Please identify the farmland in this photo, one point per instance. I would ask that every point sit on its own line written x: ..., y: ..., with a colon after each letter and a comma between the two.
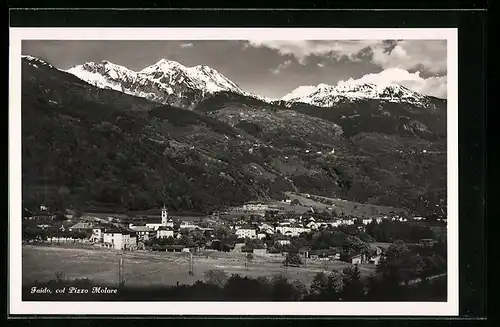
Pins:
x: 345, y: 207
x: 41, y: 263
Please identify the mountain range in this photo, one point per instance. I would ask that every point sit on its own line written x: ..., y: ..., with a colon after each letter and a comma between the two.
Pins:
x: 166, y: 82
x: 102, y: 135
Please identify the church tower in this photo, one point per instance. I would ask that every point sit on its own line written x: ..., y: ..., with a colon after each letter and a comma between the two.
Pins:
x: 164, y: 216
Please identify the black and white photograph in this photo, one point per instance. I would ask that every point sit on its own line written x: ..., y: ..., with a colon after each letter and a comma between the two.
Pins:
x: 236, y: 167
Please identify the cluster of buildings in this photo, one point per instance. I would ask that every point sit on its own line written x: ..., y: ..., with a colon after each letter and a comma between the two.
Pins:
x: 256, y: 208
x: 292, y: 227
x: 120, y: 237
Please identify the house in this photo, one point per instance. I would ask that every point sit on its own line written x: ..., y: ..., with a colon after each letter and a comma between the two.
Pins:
x: 266, y: 228
x: 120, y: 238
x: 174, y: 248
x: 375, y: 260
x: 144, y: 233
x: 188, y: 225
x: 43, y: 218
x: 353, y: 258
x: 261, y: 235
x: 164, y: 231
x: 324, y: 253
x: 81, y: 227
x: 292, y: 230
x: 97, y: 234
x: 347, y: 222
x: 255, y: 207
x: 283, y: 242
x: 259, y: 251
x: 357, y: 259
x: 246, y: 232
x: 366, y: 221
x: 312, y: 225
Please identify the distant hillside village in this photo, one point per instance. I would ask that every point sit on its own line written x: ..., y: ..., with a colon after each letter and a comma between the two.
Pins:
x: 257, y: 228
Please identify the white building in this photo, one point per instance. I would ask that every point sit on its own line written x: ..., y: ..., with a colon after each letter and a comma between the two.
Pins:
x: 246, y: 232
x: 188, y: 225
x: 347, y: 222
x: 255, y: 207
x: 144, y: 233
x: 367, y: 221
x: 164, y: 231
x: 97, y: 235
x: 292, y: 230
x: 119, y: 239
x: 261, y: 236
x: 312, y: 225
x: 283, y: 242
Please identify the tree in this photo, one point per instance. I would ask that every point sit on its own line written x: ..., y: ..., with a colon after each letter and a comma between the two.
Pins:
x: 354, y: 288
x: 285, y: 291
x: 198, y: 237
x: 254, y: 243
x: 216, y: 277
x: 293, y: 259
x: 401, y: 265
x: 326, y: 287
x: 249, y: 256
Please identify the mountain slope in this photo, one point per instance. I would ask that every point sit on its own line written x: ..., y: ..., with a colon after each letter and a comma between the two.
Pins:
x: 389, y: 109
x: 87, y: 146
x: 330, y: 157
x: 166, y: 82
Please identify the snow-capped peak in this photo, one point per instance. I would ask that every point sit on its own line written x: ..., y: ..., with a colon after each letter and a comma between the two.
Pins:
x: 163, y: 65
x: 165, y: 81
x: 347, y: 91
x: 35, y: 60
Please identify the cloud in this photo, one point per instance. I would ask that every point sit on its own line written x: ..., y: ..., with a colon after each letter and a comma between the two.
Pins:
x: 304, y: 48
x: 433, y: 86
x: 428, y: 55
x: 186, y: 45
x: 320, y: 64
x: 281, y: 66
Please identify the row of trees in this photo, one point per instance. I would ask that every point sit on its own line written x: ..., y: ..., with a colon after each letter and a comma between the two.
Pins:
x: 390, y: 231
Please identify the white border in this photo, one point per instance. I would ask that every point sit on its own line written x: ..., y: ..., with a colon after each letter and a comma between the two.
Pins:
x: 17, y: 306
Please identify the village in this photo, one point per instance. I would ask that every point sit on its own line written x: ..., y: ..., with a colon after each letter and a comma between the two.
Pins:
x: 257, y: 228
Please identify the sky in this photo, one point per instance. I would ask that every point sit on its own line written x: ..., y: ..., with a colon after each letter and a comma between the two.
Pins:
x: 271, y: 68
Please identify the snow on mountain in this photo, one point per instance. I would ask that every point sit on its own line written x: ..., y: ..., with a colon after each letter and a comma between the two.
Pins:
x: 166, y: 81
x: 34, y: 61
x: 324, y: 95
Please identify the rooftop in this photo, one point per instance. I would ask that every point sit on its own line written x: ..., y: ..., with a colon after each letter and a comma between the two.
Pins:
x: 82, y: 226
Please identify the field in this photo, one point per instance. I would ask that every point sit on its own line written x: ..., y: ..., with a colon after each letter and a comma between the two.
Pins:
x: 41, y: 262
x: 343, y: 206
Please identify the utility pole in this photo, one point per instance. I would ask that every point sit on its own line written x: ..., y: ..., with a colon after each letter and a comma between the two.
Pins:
x: 121, y: 281
x: 191, y: 270
x: 246, y: 262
